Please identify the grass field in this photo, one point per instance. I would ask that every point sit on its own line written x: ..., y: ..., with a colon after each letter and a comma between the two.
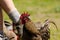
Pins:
x: 41, y: 10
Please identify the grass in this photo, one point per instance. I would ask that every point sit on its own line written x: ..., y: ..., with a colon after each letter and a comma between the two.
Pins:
x: 41, y: 10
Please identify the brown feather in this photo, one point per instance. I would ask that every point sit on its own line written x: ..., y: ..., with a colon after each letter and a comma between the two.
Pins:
x: 31, y: 27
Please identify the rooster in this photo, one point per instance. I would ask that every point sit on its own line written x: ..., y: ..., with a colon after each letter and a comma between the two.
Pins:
x: 29, y: 25
x: 30, y: 30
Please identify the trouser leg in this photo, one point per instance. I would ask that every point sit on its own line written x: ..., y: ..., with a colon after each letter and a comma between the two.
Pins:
x: 1, y: 21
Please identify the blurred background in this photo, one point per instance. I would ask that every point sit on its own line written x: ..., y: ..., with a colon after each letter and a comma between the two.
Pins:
x: 41, y: 10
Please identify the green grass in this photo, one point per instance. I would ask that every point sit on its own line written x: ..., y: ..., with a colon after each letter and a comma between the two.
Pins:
x: 41, y: 10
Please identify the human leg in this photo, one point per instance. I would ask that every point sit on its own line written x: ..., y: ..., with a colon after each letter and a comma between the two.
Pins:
x: 1, y: 21
x: 12, y: 12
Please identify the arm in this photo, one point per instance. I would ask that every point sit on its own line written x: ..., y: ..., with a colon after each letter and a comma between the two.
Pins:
x: 7, y: 5
x: 10, y: 9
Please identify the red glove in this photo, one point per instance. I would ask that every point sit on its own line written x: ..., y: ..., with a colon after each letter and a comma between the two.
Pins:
x: 24, y: 17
